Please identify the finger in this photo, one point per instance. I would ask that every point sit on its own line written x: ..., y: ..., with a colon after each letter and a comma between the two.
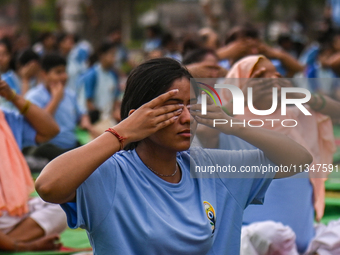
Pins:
x: 258, y: 73
x: 167, y: 116
x: 162, y: 98
x: 206, y: 122
x: 166, y: 122
x: 209, y: 100
x: 210, y: 115
x: 168, y: 108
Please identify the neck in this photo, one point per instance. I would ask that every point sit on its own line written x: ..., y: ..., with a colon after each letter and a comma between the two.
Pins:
x: 159, y: 159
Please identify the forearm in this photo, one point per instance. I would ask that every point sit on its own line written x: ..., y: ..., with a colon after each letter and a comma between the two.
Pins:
x: 59, y: 180
x: 40, y: 120
x: 8, y: 244
x: 277, y: 147
x: 290, y: 63
x: 325, y: 105
x: 52, y: 106
x: 226, y: 52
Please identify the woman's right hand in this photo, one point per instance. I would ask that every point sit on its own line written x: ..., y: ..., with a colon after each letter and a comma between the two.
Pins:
x: 5, y: 90
x: 149, y: 118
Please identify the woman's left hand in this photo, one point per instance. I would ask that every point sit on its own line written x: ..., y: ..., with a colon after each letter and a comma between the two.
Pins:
x: 214, y: 112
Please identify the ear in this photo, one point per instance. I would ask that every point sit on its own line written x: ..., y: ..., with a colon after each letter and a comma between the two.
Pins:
x: 131, y: 111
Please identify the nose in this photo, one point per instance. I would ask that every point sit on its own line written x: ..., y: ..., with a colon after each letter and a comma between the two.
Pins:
x: 185, y: 116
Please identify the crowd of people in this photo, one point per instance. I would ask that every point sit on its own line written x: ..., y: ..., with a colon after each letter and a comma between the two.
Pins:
x: 135, y: 177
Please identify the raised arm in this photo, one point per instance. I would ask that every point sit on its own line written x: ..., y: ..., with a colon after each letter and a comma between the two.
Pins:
x: 277, y: 147
x: 61, y: 177
x: 40, y: 120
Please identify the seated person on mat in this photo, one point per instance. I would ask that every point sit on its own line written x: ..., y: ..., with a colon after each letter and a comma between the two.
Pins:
x: 25, y: 224
x: 291, y: 201
x: 62, y: 104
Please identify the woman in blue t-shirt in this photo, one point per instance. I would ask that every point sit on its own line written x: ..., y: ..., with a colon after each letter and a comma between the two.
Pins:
x: 142, y: 200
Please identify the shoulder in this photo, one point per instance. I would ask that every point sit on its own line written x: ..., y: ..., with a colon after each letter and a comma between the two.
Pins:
x: 38, y: 94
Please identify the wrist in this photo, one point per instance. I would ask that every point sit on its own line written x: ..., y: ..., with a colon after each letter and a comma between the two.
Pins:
x: 21, y: 246
x: 13, y: 96
x: 122, y: 131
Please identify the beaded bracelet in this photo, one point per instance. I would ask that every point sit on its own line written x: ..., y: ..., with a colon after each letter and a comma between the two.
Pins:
x: 120, y: 138
x: 26, y: 107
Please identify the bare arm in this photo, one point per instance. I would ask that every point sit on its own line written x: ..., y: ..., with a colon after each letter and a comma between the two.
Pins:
x: 291, y: 64
x: 59, y: 180
x: 40, y: 120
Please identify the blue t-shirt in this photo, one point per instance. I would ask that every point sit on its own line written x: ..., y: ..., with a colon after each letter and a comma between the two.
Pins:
x: 77, y: 63
x: 288, y: 200
x: 127, y: 209
x: 23, y: 132
x: 67, y: 114
x: 102, y: 86
x: 335, y: 6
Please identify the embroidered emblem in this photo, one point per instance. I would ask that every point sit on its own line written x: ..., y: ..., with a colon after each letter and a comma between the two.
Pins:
x: 210, y: 212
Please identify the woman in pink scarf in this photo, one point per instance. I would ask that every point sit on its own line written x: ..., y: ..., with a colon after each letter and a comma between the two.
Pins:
x: 314, y: 132
x: 24, y: 223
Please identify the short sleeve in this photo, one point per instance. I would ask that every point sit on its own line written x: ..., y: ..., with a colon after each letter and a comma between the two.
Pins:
x: 10, y: 81
x: 246, y: 187
x: 94, y: 198
x: 36, y: 98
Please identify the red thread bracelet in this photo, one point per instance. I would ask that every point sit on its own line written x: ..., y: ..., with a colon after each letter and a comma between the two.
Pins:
x: 120, y: 138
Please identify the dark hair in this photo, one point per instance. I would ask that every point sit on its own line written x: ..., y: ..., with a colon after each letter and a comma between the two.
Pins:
x: 6, y: 42
x: 62, y: 36
x: 149, y: 80
x: 241, y: 31
x: 44, y: 35
x: 166, y: 39
x: 103, y: 48
x: 52, y: 60
x: 190, y: 43
x: 283, y: 38
x: 155, y: 29
x: 27, y: 56
x: 197, y: 55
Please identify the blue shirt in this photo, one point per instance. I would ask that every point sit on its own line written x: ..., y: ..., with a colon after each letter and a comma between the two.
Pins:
x: 335, y: 6
x: 127, y: 209
x: 102, y: 87
x: 67, y: 114
x: 23, y: 132
x: 77, y: 63
x: 288, y: 200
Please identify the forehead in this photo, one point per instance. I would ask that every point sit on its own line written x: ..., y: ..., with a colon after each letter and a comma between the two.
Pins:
x: 186, y: 91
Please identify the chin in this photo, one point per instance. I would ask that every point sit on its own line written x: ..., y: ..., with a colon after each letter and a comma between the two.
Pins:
x: 183, y: 147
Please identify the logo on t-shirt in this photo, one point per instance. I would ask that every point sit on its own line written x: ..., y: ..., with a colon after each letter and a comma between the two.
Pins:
x: 209, y: 210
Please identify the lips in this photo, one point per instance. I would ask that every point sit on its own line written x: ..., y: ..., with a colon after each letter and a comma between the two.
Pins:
x: 185, y: 133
